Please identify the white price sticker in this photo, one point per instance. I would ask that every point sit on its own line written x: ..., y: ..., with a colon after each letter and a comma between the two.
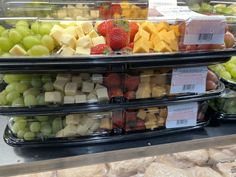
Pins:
x: 189, y: 80
x: 205, y: 30
x: 182, y: 115
x: 162, y: 3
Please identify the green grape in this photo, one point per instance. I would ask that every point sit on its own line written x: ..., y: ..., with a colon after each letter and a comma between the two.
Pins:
x: 19, y: 119
x: 226, y: 75
x: 45, y: 28
x: 229, y: 66
x: 5, y: 33
x: 57, y: 125
x: 48, y: 87
x: 24, y: 31
x: 21, y: 87
x: 48, y: 42
x: 10, y: 78
x: 30, y: 100
x: 14, y: 36
x: 41, y: 99
x: 6, y: 55
x: 46, y: 78
x: 3, y: 99
x: 20, y: 125
x: 15, y: 128
x: 35, y: 27
x: 19, y: 102
x: 36, y: 82
x: 41, y: 118
x: 20, y: 133
x: 35, y: 127
x: 22, y: 23
x: 233, y: 72
x: 38, y: 50
x: 30, y: 41
x: 233, y: 60
x: 27, y: 83
x: 10, y: 88
x: 32, y: 91
x: 29, y: 136
x: 5, y: 44
x: 205, y: 7
x: 1, y: 29
x: 12, y: 96
x: 46, y: 129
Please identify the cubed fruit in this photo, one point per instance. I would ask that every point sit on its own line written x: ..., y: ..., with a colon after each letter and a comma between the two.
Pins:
x: 71, y: 88
x: 87, y: 87
x: 130, y: 95
x: 92, y: 97
x: 60, y: 85
x: 163, y: 26
x: 141, y: 46
x: 98, y: 86
x: 80, y: 98
x: 106, y: 124
x: 79, y: 31
x: 93, y: 34
x: 84, y: 42
x: 130, y: 115
x: 112, y: 80
x: 144, y: 91
x: 158, y: 91
x: 67, y: 51
x: 149, y: 27
x: 56, y: 33
x: 97, y: 78
x: 141, y: 114
x: 140, y: 125
x: 141, y: 34
x: 73, y: 119
x: 64, y: 77
x: 68, y: 40
x: 53, y: 97
x: 98, y: 40
x: 82, y: 51
x: 94, y: 14
x: 17, y: 51
x: 85, y: 76
x: 71, y: 30
x: 176, y: 29
x: 115, y: 92
x: 117, y: 119
x: 69, y: 99
x: 102, y: 94
x: 132, y: 82
x: 162, y: 47
x: 78, y: 80
x: 87, y: 27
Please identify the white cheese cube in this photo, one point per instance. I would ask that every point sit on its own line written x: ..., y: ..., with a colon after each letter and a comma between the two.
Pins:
x: 79, y: 31
x: 80, y: 98
x: 67, y: 51
x: 17, y: 51
x: 60, y: 85
x: 53, y: 97
x: 102, y: 94
x: 98, y: 40
x: 56, y: 32
x: 82, y: 130
x: 69, y: 99
x: 65, y: 77
x: 92, y: 98
x: 68, y: 40
x: 71, y: 31
x: 98, y: 86
x: 87, y: 27
x: 97, y: 78
x: 84, y: 42
x: 85, y: 76
x: 73, y: 119
x: 78, y: 80
x: 94, y: 13
x: 82, y: 51
x: 87, y: 87
x: 93, y: 34
x: 71, y: 88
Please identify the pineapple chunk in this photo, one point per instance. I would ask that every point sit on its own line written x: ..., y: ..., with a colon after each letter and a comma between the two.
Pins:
x: 84, y: 42
x: 70, y: 31
x: 68, y: 40
x: 141, y: 46
x: 93, y: 34
x: 149, y: 27
x: 17, y: 51
x: 141, y: 34
x: 163, y: 26
x: 79, y: 31
x: 87, y: 27
x: 67, y: 51
x: 56, y: 32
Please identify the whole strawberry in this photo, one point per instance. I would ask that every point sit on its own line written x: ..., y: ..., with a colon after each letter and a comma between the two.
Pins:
x: 101, y: 49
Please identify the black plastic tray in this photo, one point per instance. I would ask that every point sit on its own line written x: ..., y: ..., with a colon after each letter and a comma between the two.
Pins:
x: 116, y: 63
x: 121, y: 104
x: 11, y: 140
x: 228, y: 84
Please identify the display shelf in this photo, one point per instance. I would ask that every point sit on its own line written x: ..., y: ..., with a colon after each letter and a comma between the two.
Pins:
x: 16, y: 161
x: 116, y: 63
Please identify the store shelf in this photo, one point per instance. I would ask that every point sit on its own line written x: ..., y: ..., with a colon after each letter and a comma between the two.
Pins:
x: 15, y: 161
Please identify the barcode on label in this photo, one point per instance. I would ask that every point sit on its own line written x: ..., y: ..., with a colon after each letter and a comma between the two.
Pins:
x: 205, y: 37
x: 188, y: 87
x: 182, y: 122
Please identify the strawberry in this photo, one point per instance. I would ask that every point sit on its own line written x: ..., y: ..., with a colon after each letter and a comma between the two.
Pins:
x: 104, y: 10
x: 112, y: 80
x: 131, y: 45
x: 130, y: 95
x: 104, y: 26
x: 133, y: 27
x: 132, y: 82
x: 101, y: 49
x: 115, y: 92
x: 118, y: 119
x: 116, y: 9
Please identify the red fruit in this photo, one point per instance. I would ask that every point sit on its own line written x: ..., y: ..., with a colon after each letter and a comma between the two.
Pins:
x: 115, y: 92
x: 132, y: 82
x: 191, y: 48
x: 101, y: 49
x: 130, y: 116
x: 127, y: 50
x: 117, y: 38
x: 116, y: 9
x: 104, y: 26
x: 140, y: 125
x: 131, y: 45
x: 117, y: 119
x: 130, y: 95
x: 104, y: 10
x: 112, y: 80
x: 133, y: 27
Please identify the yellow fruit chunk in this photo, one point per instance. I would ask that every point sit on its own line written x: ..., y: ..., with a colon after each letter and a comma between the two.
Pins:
x: 176, y: 29
x: 163, y: 26
x: 141, y: 46
x: 149, y: 27
x: 174, y: 45
x: 162, y: 47
x: 141, y: 34
x: 93, y: 34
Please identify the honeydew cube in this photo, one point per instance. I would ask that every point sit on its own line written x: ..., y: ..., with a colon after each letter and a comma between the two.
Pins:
x: 69, y: 99
x: 92, y: 97
x: 71, y: 31
x: 84, y: 42
x: 68, y: 40
x: 80, y: 98
x: 87, y: 27
x: 94, y: 13
x: 67, y: 51
x: 17, y: 51
x: 82, y: 51
x: 59, y: 85
x: 102, y: 94
x: 97, y: 78
x: 56, y: 32
x: 85, y: 76
x: 98, y: 86
x: 78, y: 80
x: 65, y: 77
x: 79, y: 31
x: 98, y: 40
x: 87, y: 87
x: 71, y: 88
x: 53, y: 97
x: 73, y: 119
x: 93, y: 34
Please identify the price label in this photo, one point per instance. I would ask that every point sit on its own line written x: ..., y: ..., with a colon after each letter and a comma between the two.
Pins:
x: 189, y: 80
x: 205, y: 30
x: 162, y: 3
x: 182, y: 115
